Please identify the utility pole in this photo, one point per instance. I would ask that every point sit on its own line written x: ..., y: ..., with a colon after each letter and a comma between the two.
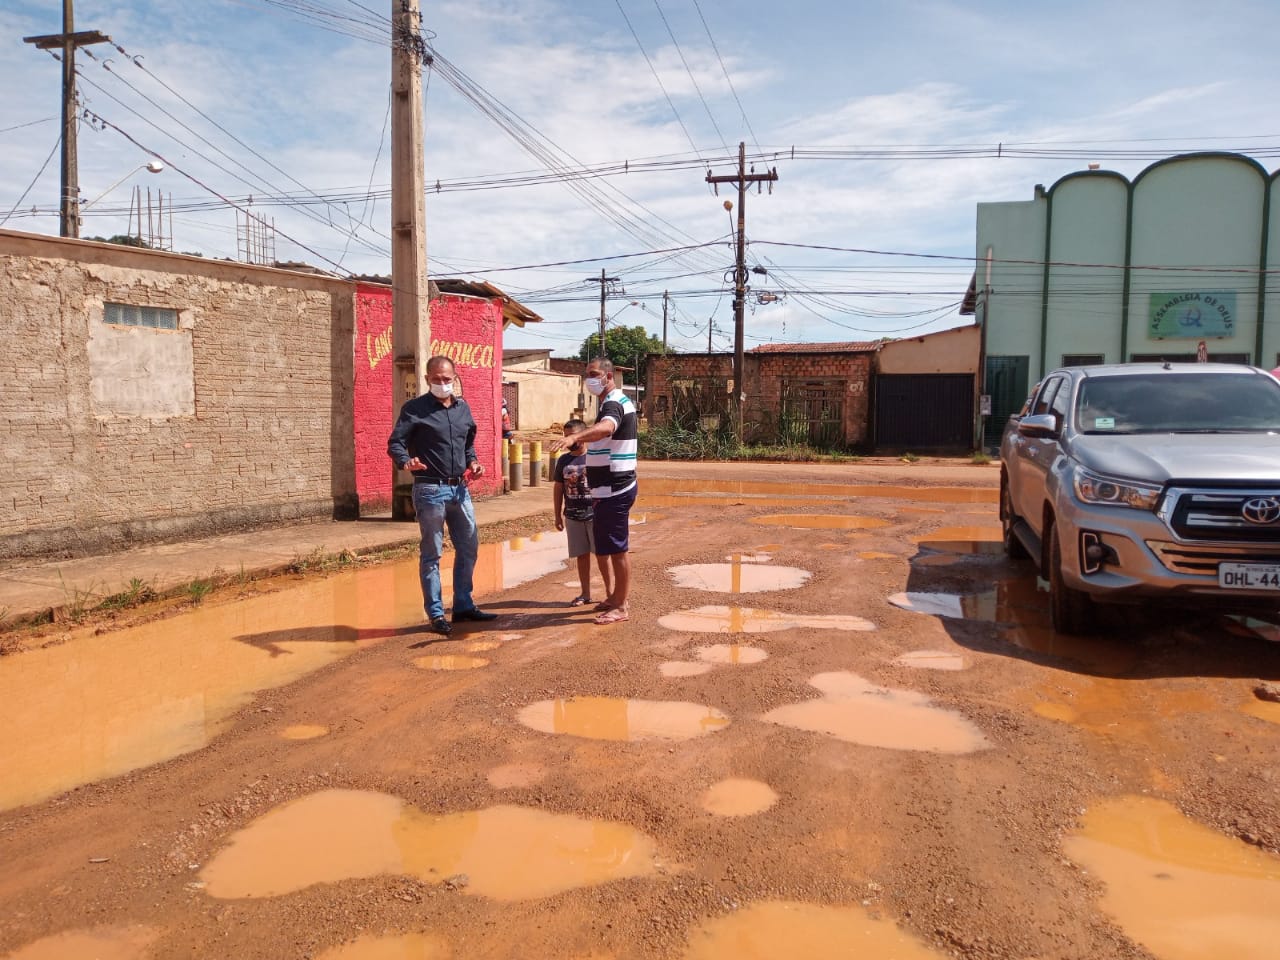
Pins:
x: 665, y: 298
x: 410, y: 306
x: 67, y: 41
x: 604, y: 285
x: 741, y: 178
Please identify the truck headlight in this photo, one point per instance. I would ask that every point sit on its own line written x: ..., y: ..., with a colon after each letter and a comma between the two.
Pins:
x: 1108, y: 491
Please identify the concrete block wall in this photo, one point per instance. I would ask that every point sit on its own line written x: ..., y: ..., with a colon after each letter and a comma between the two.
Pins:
x: 270, y: 433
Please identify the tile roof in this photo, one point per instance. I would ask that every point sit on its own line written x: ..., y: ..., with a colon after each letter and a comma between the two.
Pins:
x: 863, y: 347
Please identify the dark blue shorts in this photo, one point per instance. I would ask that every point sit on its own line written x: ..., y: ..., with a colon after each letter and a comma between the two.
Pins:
x: 612, y: 523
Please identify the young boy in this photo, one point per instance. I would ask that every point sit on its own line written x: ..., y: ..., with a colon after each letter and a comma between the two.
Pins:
x: 572, y: 498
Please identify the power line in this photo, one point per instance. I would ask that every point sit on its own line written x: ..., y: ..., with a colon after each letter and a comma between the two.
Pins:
x: 697, y: 6
x: 654, y: 71
x: 56, y: 143
x: 694, y: 80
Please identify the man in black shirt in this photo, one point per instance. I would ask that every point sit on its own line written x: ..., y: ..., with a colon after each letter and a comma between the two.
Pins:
x: 434, y: 437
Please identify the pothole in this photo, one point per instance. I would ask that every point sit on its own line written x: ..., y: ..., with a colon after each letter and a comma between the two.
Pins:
x: 1181, y: 890
x: 820, y: 521
x: 983, y: 540
x: 731, y: 653
x: 98, y: 943
x: 303, y: 731
x: 717, y: 619
x: 931, y: 660
x: 737, y: 797
x: 502, y: 852
x: 773, y: 929
x: 614, y: 718
x: 856, y: 711
x: 409, y: 946
x: 738, y: 577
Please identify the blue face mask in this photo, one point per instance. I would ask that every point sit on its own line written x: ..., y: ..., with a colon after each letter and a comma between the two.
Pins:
x: 595, y: 386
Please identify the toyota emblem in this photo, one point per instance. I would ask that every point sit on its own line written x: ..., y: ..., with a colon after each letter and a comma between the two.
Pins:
x: 1261, y: 510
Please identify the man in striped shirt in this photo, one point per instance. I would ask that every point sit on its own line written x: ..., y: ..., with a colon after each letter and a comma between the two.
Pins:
x: 611, y: 475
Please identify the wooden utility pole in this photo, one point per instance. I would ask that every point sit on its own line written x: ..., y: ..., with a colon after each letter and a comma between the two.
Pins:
x: 410, y: 306
x: 604, y: 286
x: 741, y: 178
x: 67, y: 41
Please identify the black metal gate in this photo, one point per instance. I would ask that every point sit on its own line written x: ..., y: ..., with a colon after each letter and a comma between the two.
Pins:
x: 924, y: 411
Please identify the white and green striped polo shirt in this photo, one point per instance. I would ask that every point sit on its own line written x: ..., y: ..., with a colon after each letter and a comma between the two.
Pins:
x: 611, y: 463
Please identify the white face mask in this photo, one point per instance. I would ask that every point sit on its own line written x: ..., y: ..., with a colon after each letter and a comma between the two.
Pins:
x: 441, y: 390
x: 595, y: 386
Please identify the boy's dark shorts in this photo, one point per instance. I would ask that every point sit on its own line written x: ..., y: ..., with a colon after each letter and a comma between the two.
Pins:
x: 612, y: 523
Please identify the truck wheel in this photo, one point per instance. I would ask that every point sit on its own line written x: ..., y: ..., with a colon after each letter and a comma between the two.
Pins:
x: 1071, y: 611
x: 1013, y: 547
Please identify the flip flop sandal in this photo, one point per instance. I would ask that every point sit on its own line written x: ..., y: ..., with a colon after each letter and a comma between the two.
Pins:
x: 580, y: 601
x: 611, y: 616
x: 602, y: 606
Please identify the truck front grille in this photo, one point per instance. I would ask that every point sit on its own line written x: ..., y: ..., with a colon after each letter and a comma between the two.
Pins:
x: 1219, y: 514
x: 1203, y: 559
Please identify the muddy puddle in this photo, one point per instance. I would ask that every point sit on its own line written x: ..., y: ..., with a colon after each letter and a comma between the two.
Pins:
x: 409, y: 946
x: 717, y: 619
x: 303, y: 731
x: 980, y: 540
x: 738, y: 797
x: 876, y: 555
x: 99, y: 706
x: 450, y: 662
x: 738, y: 577
x: 675, y: 669
x: 614, y: 718
x: 686, y: 489
x: 730, y: 653
x: 857, y: 711
x: 931, y: 660
x: 1262, y: 709
x: 504, y: 852
x: 1182, y: 890
x: 772, y: 930
x: 98, y: 943
x: 819, y: 521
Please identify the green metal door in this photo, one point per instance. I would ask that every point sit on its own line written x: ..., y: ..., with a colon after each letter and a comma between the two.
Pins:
x: 1006, y: 384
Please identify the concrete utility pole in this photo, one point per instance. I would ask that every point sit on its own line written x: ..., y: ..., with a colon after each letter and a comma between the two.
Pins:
x: 604, y: 285
x: 67, y: 41
x: 741, y: 178
x: 410, y: 306
x: 665, y: 298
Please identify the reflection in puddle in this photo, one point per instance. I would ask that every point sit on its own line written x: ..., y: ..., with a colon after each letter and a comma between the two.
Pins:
x: 825, y: 491
x: 673, y: 669
x: 921, y: 510
x: 933, y: 604
x: 749, y: 558
x: 935, y: 560
x: 857, y: 711
x: 986, y: 540
x: 506, y: 852
x: 450, y: 662
x: 774, y: 929
x: 730, y: 653
x: 876, y: 555
x: 1262, y: 709
x: 738, y: 798
x: 738, y: 578
x: 1183, y: 891
x: 931, y: 660
x: 659, y: 500
x: 715, y: 619
x: 99, y: 706
x: 818, y: 521
x: 511, y: 775
x: 410, y: 946
x: 613, y: 718
x: 101, y: 943
x: 482, y: 646
x: 303, y: 731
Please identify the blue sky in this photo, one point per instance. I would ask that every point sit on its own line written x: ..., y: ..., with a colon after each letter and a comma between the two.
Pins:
x: 309, y: 104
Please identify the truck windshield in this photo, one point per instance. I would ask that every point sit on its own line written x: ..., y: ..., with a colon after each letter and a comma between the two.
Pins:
x: 1178, y: 403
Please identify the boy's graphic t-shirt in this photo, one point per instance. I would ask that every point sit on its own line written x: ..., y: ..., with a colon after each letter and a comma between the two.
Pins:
x: 571, y: 471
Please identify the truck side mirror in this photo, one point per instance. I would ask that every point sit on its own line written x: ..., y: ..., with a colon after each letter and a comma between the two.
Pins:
x: 1042, y: 425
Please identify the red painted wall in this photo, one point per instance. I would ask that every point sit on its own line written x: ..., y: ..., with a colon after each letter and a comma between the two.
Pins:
x: 374, y: 369
x: 468, y: 331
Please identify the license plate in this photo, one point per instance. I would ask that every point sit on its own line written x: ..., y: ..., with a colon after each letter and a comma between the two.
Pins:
x: 1249, y: 576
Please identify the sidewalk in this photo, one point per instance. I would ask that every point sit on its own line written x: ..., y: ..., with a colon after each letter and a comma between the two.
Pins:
x: 30, y: 589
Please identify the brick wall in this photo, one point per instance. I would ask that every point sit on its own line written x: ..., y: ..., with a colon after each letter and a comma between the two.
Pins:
x: 374, y: 367
x: 270, y: 367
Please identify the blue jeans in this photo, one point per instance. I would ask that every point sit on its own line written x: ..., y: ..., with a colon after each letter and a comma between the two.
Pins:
x: 435, y: 506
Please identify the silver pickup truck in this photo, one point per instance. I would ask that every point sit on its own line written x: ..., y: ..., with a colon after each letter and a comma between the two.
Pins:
x: 1145, y: 481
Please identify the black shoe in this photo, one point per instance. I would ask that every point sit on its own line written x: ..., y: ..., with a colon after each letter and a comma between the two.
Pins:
x: 473, y: 614
x: 441, y: 626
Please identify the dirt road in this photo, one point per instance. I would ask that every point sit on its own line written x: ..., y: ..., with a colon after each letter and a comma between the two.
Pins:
x: 836, y: 725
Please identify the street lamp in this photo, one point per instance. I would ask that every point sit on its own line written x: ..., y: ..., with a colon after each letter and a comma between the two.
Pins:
x: 151, y: 166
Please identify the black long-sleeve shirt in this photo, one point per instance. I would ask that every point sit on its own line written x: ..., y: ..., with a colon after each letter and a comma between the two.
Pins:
x: 441, y: 437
